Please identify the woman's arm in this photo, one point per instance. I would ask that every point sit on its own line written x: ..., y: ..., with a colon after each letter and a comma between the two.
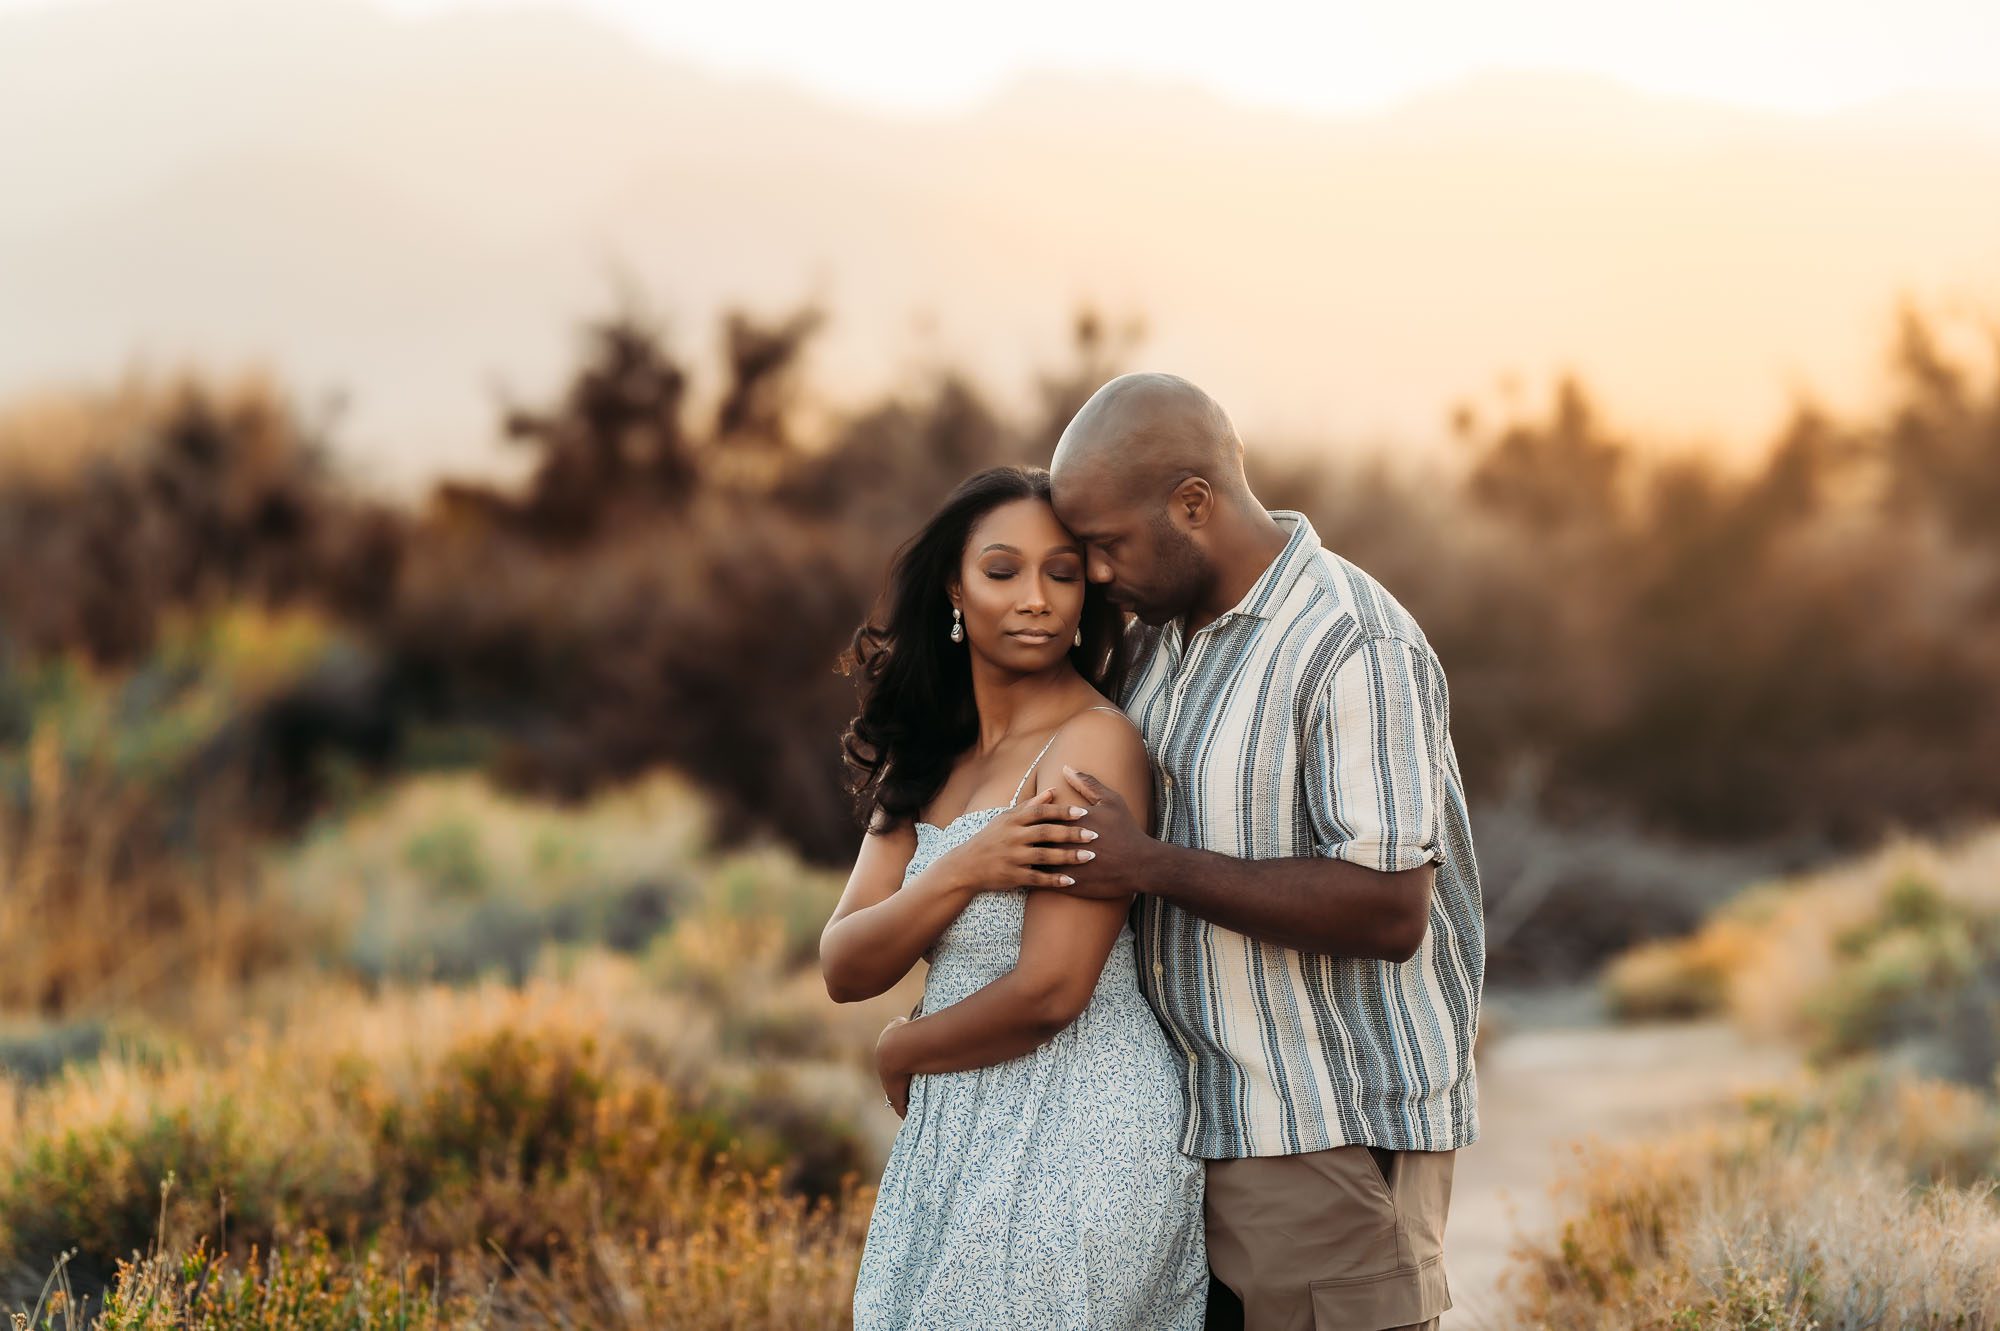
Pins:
x: 1064, y: 942
x: 882, y: 925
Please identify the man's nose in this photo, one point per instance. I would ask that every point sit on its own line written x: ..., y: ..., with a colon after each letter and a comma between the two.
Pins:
x: 1097, y: 571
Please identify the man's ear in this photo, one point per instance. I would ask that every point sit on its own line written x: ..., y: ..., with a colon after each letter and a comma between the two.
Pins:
x: 1194, y: 501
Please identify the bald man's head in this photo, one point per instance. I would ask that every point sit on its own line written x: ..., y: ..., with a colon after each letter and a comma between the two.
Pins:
x: 1146, y: 474
x: 1146, y: 431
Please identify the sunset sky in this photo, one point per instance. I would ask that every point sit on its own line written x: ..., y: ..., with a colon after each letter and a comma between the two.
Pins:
x: 1343, y: 221
x: 1797, y: 55
x: 1794, y: 55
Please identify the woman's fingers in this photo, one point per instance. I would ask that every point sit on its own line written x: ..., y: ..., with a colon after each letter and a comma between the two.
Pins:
x: 1039, y: 878
x: 1046, y: 811
x: 1061, y: 855
x: 1058, y: 845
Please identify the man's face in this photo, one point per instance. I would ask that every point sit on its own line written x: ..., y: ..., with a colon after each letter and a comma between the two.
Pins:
x: 1132, y: 547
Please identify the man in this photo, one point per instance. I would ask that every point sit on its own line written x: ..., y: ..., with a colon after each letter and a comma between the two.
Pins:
x: 1309, y: 925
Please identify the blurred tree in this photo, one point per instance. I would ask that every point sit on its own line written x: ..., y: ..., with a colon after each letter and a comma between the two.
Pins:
x: 1802, y: 652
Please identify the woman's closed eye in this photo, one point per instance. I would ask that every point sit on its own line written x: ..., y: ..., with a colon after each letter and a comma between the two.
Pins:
x: 1002, y: 575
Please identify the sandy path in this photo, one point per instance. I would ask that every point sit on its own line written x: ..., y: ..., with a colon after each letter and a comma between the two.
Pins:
x: 1556, y: 1074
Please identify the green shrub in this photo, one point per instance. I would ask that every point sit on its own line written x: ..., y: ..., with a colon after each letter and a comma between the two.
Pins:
x: 1896, y: 956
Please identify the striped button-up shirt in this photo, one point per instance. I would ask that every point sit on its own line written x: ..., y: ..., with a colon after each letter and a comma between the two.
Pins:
x: 1311, y: 719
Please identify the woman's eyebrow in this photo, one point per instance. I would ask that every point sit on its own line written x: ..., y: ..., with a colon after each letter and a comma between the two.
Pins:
x: 997, y: 546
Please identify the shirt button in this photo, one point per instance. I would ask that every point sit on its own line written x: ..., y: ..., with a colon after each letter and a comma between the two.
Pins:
x: 1192, y: 1059
x: 1158, y: 970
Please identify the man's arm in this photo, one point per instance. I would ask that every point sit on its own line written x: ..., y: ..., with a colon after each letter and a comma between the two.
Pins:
x: 1310, y: 902
x: 1371, y: 770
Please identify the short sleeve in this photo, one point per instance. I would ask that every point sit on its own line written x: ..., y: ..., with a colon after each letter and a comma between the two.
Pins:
x: 1373, y: 757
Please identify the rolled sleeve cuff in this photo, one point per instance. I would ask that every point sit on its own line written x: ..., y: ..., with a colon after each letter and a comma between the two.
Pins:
x: 1380, y: 855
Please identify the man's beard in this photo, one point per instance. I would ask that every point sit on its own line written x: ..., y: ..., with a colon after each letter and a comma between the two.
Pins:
x: 1183, y: 574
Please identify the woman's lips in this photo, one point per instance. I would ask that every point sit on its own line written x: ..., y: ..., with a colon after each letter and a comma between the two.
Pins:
x: 1031, y: 635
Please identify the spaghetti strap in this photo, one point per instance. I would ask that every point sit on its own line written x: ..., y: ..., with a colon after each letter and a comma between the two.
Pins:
x: 1031, y: 768
x: 1045, y: 749
x: 1120, y: 713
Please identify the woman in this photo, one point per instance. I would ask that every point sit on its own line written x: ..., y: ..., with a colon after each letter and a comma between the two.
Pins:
x: 1037, y: 1178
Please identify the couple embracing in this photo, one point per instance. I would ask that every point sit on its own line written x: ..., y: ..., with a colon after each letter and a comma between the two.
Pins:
x: 1197, y: 893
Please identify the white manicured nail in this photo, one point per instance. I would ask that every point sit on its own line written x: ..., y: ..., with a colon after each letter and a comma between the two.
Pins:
x: 1089, y: 835
x: 1086, y: 854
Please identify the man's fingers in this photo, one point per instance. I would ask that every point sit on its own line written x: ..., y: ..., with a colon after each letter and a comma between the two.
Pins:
x: 1092, y: 790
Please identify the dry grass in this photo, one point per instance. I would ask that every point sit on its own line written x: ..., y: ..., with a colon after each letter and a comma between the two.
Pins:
x: 1865, y: 1198
x: 738, y: 1254
x: 1847, y: 1208
x: 127, y: 879
x: 1896, y: 953
x: 578, y: 1125
x: 443, y: 877
x: 1676, y: 978
x: 626, y: 1115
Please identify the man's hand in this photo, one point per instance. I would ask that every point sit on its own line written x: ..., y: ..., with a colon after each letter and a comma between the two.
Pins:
x: 895, y: 1081
x: 1124, y: 851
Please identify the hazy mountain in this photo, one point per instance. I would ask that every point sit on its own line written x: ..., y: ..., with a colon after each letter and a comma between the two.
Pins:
x: 416, y: 210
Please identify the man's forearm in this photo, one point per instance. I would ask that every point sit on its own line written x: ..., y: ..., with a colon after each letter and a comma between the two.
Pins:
x: 1310, y: 903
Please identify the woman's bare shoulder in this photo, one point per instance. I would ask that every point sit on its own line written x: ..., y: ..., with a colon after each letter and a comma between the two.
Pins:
x: 1096, y: 735
x: 1103, y: 720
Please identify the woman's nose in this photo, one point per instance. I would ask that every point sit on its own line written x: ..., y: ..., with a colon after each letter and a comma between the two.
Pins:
x: 1033, y: 595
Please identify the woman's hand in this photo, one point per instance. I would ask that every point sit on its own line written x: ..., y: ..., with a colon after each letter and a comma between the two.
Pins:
x: 895, y: 1081
x: 1027, y: 846
x: 1129, y: 865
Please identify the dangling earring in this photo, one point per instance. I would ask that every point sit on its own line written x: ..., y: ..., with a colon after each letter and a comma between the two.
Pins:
x: 1079, y: 637
x: 957, y: 628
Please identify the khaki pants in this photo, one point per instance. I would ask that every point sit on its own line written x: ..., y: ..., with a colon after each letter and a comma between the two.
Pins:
x: 1347, y: 1239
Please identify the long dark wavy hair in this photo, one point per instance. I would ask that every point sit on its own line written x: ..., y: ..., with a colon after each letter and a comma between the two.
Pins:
x: 915, y: 684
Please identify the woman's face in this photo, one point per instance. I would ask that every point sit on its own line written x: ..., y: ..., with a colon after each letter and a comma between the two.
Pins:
x: 1021, y: 586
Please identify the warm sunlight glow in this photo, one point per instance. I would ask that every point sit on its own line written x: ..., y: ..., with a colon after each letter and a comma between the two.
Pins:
x: 1794, y: 55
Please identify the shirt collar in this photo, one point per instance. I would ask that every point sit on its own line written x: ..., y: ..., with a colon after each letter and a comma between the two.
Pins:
x: 1269, y: 591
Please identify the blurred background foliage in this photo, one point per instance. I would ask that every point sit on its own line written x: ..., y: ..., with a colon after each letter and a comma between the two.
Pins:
x: 444, y: 881
x: 1732, y: 668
